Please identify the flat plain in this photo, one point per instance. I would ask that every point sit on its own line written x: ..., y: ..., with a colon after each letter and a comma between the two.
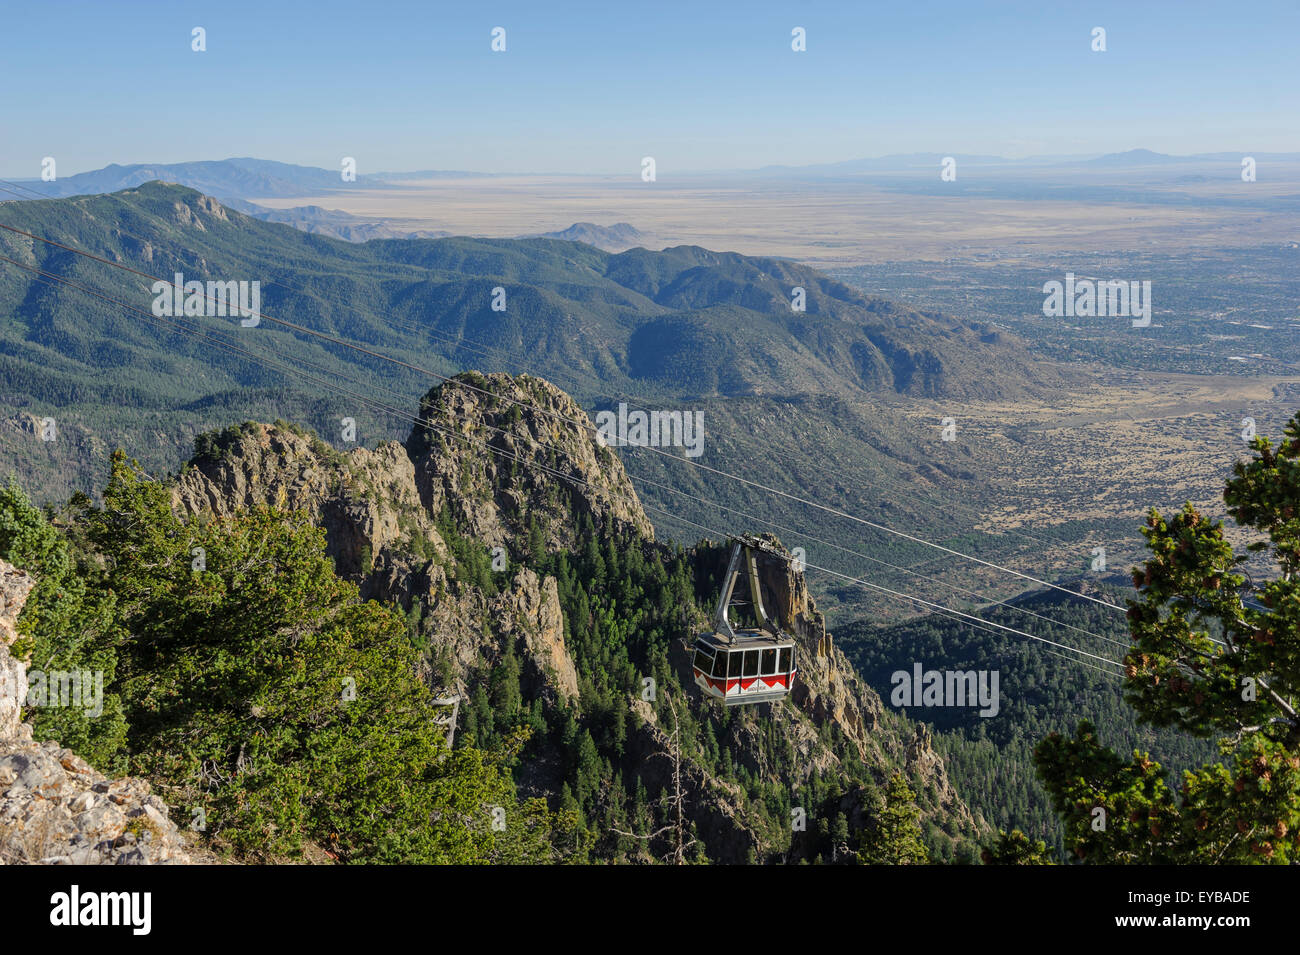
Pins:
x: 840, y: 222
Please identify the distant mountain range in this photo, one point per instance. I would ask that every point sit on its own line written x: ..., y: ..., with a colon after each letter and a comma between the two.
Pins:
x: 222, y: 179
x: 252, y: 179
x: 239, y: 182
x: 909, y: 162
x: 244, y: 179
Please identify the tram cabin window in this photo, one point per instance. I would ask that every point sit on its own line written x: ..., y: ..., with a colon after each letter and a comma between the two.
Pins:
x: 720, y: 664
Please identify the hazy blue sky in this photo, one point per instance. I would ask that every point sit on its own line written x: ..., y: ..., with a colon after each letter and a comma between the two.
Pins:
x: 593, y: 87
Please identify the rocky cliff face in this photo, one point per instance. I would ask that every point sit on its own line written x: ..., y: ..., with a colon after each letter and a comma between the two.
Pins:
x: 386, y: 514
x: 379, y: 510
x: 15, y: 585
x: 562, y: 473
x: 54, y: 808
x: 366, y: 501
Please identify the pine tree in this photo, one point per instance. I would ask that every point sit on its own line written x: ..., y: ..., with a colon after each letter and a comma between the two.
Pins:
x: 68, y: 627
x: 1015, y: 848
x: 507, y: 699
x: 1215, y: 655
x: 896, y: 838
x: 587, y: 774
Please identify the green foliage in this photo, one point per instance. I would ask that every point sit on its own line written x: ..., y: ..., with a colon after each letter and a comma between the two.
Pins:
x: 212, y: 445
x: 66, y: 627
x: 261, y: 689
x: 1015, y: 848
x: 1211, y: 663
x: 991, y: 761
x: 895, y: 839
x: 471, y: 560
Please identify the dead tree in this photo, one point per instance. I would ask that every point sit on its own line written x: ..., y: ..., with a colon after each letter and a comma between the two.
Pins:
x: 673, y: 799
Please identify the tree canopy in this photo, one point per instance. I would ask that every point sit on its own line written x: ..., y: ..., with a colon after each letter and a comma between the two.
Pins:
x: 1215, y: 653
x: 265, y: 698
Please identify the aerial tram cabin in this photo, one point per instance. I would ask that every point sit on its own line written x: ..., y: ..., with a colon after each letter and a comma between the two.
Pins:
x: 745, y: 666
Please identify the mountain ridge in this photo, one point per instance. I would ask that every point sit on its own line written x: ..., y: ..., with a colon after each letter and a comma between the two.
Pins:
x: 397, y: 521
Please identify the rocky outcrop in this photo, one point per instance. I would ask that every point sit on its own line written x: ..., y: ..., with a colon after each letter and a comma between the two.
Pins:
x: 546, y: 467
x: 511, y: 463
x: 473, y: 632
x: 191, y: 217
x: 377, y: 506
x: 530, y: 611
x: 15, y: 585
x: 827, y: 686
x: 379, y: 510
x: 364, y: 500
x: 925, y: 764
x: 54, y: 808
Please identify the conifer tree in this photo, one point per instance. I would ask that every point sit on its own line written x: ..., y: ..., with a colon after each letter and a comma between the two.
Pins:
x: 1015, y: 848
x: 1216, y: 655
x: 68, y: 627
x: 896, y: 838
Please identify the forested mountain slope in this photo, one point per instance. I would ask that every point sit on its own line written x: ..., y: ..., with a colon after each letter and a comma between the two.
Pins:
x: 992, y: 758
x: 530, y: 585
x: 681, y: 325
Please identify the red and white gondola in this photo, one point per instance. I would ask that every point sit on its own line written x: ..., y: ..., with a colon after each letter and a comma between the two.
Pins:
x: 745, y: 665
